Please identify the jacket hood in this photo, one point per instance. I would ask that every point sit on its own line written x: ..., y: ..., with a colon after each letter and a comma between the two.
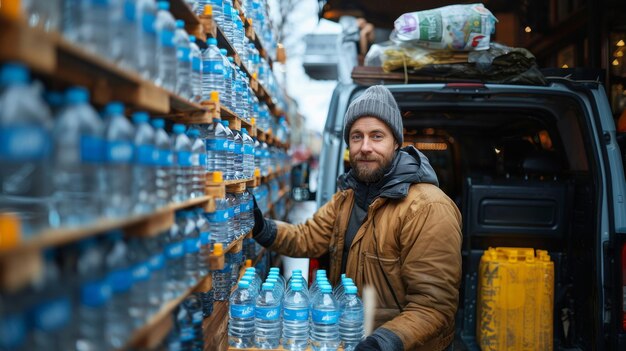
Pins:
x: 409, y: 166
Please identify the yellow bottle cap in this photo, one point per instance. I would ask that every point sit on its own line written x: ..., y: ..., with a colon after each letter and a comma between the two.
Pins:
x: 218, y: 177
x: 257, y: 172
x: 215, y: 96
x: 248, y: 263
x: 254, y: 75
x: 218, y: 249
x: 10, y: 231
x: 208, y: 10
x: 253, y: 121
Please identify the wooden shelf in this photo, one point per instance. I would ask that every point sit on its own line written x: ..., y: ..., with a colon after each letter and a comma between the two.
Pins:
x: 156, y: 329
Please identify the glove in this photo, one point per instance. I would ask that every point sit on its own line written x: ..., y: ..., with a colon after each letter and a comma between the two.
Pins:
x: 368, y: 344
x: 259, y: 220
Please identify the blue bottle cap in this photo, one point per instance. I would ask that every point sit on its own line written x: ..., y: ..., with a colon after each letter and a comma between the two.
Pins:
x: 243, y: 284
x: 140, y: 117
x: 115, y: 108
x: 164, y: 5
x: 244, y: 130
x: 12, y: 73
x: 350, y: 289
x: 178, y: 128
x: 267, y: 286
x: 225, y: 123
x: 192, y: 38
x: 326, y: 289
x: 211, y: 41
x: 224, y: 52
x: 231, y: 59
x: 76, y: 95
x: 296, y: 287
x: 158, y: 123
x: 54, y: 98
x: 250, y: 269
x: 194, y: 133
x: 180, y: 24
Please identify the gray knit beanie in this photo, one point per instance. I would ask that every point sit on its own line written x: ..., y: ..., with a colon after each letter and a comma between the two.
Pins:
x: 377, y: 102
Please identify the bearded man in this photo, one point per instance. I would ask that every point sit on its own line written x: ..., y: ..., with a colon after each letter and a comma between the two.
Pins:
x: 390, y: 227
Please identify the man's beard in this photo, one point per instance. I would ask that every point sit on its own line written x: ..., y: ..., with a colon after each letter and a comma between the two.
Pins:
x: 367, y: 175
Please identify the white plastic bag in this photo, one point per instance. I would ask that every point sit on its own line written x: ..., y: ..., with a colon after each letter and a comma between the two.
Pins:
x: 455, y: 27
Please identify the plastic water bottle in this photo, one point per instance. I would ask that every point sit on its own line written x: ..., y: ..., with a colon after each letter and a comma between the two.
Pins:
x: 226, y: 97
x: 118, y: 157
x: 230, y: 154
x: 144, y: 170
x: 258, y: 152
x: 324, y: 318
x: 140, y: 271
x: 147, y: 43
x: 118, y: 322
x: 94, y: 294
x: 218, y: 14
x: 238, y: 33
x: 267, y: 321
x: 164, y: 160
x: 187, y: 226
x: 296, y: 319
x: 276, y: 272
x: 184, y: 323
x: 256, y: 279
x: 212, y: 70
x: 221, y: 278
x: 198, y: 163
x: 234, y: 220
x: 183, y: 60
x: 227, y: 27
x: 174, y: 267
x: 96, y: 26
x: 233, y: 83
x: 182, y: 164
x: 25, y: 149
x: 193, y: 305
x: 166, y: 48
x: 207, y: 134
x: 279, y: 290
x: 156, y: 263
x: 51, y: 311
x: 220, y: 146
x: 248, y: 154
x: 78, y: 158
x: 246, y: 216
x: 351, y: 320
x: 238, y: 139
x: 196, y: 70
x: 204, y: 228
x: 241, y: 317
x: 218, y: 221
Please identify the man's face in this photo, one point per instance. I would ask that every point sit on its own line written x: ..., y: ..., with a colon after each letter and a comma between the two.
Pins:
x: 372, y: 147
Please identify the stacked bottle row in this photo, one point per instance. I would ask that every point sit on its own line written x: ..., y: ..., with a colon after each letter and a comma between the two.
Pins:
x: 273, y: 313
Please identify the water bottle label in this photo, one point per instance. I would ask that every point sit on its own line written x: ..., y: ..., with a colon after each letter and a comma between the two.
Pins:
x: 167, y: 38
x: 184, y: 158
x: 95, y: 293
x: 130, y: 11
x: 183, y: 54
x: 238, y: 149
x: 258, y: 153
x: 12, y: 331
x: 231, y: 212
x: 219, y: 216
x: 157, y: 262
x: 174, y: 251
x: 143, y: 155
x: 248, y: 206
x: 91, y: 149
x: 24, y: 143
x: 187, y: 334
x: 205, y: 238
x: 242, y: 311
x: 119, y: 152
x: 147, y: 22
x: 165, y: 158
x: 197, y: 317
x: 192, y: 245
x: 195, y: 159
x: 324, y: 317
x: 141, y: 272
x: 203, y: 160
x: 52, y: 315
x: 196, y: 64
x: 121, y: 280
x: 267, y: 313
x: 248, y: 149
x: 213, y: 67
x: 295, y: 314
x: 231, y: 146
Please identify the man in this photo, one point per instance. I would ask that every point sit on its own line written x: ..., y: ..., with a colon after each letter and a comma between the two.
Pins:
x: 389, y: 226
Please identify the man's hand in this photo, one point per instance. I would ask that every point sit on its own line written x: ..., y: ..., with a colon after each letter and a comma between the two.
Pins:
x: 259, y: 221
x: 368, y: 344
x: 264, y: 230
